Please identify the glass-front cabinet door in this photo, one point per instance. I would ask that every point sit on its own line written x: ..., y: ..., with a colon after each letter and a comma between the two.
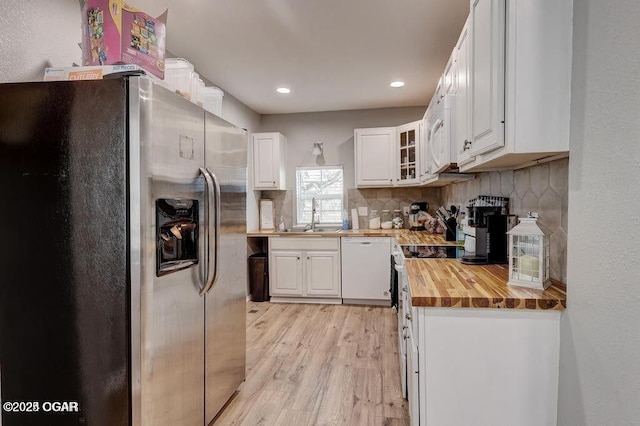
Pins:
x: 409, y: 153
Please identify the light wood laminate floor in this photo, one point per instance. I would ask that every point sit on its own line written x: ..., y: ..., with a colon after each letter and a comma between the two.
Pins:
x: 319, y: 365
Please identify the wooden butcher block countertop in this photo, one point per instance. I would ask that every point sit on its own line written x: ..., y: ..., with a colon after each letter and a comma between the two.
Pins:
x: 402, y: 236
x: 405, y: 237
x: 450, y: 284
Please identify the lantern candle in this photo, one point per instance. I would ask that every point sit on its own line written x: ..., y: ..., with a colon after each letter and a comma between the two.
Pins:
x: 529, y: 254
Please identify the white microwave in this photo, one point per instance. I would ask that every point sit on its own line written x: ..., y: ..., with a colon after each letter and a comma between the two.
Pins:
x: 440, y: 129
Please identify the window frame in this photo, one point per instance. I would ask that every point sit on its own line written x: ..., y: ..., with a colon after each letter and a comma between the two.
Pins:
x: 299, y: 198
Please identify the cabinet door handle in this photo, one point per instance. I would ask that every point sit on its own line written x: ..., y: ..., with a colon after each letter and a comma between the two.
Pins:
x: 408, y: 317
x: 467, y: 145
x: 308, y: 258
x: 298, y: 258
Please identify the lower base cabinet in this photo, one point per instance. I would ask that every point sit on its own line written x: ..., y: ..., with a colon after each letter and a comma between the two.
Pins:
x: 413, y: 380
x: 307, y: 269
x: 322, y: 273
x: 494, y: 367
x: 285, y: 272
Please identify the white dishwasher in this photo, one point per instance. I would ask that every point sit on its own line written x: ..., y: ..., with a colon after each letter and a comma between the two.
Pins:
x: 366, y: 270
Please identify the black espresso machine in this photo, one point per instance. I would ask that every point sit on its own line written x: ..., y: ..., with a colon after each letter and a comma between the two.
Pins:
x: 486, y: 230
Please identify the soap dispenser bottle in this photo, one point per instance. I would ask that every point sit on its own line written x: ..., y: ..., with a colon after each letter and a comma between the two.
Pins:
x: 281, y: 227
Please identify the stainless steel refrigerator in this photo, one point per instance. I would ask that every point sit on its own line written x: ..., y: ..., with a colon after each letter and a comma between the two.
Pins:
x: 122, y: 256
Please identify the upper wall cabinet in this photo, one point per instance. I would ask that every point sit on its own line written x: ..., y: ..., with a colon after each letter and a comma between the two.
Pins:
x: 388, y: 156
x: 463, y: 95
x: 449, y: 77
x: 487, y: 75
x: 269, y: 157
x: 408, y: 148
x: 375, y: 154
x: 520, y: 82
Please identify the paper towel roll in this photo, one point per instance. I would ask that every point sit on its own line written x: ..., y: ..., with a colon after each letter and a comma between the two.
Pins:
x: 355, y: 224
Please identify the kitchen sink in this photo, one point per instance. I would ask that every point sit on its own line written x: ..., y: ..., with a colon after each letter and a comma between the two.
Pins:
x: 315, y: 231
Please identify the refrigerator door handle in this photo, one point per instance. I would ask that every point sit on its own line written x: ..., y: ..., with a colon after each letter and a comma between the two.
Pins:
x: 216, y: 240
x: 213, y: 191
x: 209, y: 194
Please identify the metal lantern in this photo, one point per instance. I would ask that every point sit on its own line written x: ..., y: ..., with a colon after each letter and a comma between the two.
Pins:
x: 529, y: 254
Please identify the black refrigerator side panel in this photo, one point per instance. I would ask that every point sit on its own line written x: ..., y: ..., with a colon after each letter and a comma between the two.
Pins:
x: 64, y: 303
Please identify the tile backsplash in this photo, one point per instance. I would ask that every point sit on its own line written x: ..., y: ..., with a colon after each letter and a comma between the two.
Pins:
x: 373, y: 198
x: 543, y: 188
x: 283, y: 205
x: 391, y: 199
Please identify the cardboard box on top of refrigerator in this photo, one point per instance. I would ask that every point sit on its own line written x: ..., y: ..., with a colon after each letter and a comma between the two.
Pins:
x: 114, y: 32
x: 89, y: 73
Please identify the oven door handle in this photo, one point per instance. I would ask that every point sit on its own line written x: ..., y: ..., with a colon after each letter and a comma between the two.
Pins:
x: 212, y: 192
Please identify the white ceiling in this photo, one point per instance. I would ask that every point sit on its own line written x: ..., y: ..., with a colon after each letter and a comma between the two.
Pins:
x: 333, y: 54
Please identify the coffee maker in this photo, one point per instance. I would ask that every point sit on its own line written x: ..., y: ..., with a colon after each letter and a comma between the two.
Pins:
x: 486, y: 235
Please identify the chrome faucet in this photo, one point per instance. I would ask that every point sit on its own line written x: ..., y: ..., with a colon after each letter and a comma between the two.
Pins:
x: 313, y: 213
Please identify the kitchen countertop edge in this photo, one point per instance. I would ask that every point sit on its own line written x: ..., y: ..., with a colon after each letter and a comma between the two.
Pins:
x: 447, y: 283
x: 402, y: 236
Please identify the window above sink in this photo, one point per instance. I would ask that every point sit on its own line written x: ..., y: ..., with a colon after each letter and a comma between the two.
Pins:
x: 325, y: 184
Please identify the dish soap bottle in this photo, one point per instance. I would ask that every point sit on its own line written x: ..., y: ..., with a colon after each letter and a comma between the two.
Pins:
x: 281, y: 227
x: 345, y: 220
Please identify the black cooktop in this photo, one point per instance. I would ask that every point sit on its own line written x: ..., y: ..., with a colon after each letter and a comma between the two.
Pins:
x: 425, y: 252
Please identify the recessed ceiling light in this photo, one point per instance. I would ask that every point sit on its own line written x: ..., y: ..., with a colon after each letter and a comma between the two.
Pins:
x: 283, y: 90
x: 397, y: 84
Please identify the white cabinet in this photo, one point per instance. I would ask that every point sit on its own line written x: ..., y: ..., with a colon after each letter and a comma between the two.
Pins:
x: 304, y: 269
x: 424, y: 144
x: 414, y: 395
x: 388, y: 156
x: 322, y: 273
x: 460, y: 350
x: 413, y: 380
x: 520, y: 82
x: 487, y: 75
x: 440, y: 90
x: 452, y: 355
x: 463, y: 104
x: 408, y: 149
x: 449, y: 77
x: 375, y: 156
x: 286, y: 273
x: 269, y: 158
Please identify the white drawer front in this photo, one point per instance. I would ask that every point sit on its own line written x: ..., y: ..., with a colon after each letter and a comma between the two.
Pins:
x: 302, y: 243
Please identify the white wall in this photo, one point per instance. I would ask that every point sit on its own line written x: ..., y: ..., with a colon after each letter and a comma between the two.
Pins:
x: 36, y: 34
x: 600, y: 331
x: 238, y: 114
x: 335, y: 130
